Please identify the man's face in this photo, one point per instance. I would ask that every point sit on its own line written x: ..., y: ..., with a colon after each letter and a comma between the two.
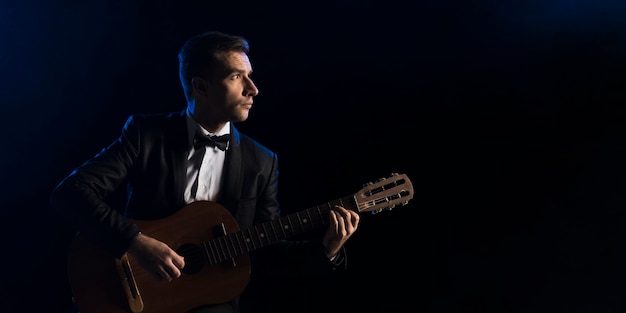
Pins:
x: 231, y: 90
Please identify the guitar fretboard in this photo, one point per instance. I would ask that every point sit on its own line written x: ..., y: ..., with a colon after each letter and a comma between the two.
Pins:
x: 224, y: 248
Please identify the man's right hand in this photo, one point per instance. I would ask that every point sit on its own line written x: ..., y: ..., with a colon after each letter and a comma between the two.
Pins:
x: 156, y: 257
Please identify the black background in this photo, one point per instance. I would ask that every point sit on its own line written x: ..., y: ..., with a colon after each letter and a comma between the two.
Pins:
x: 506, y: 116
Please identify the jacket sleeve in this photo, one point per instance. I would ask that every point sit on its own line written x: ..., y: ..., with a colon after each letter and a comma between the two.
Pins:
x: 81, y: 197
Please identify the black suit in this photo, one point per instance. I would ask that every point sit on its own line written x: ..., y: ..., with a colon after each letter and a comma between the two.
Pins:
x: 148, y: 163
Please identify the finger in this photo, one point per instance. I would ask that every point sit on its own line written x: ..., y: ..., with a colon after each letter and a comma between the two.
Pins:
x: 334, y: 220
x: 178, y: 261
x: 173, y: 271
x: 163, y: 274
x: 343, y: 211
x: 354, y: 219
x: 348, y: 219
x: 346, y: 214
x: 340, y: 220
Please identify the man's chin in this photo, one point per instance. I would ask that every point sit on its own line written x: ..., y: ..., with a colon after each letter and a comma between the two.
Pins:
x: 241, y: 117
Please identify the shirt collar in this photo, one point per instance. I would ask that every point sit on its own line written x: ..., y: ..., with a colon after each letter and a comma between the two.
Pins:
x: 193, y: 127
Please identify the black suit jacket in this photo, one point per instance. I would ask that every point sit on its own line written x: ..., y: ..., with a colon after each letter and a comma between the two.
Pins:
x: 147, y: 163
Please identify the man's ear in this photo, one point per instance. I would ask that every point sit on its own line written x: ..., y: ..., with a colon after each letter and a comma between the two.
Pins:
x: 199, y: 85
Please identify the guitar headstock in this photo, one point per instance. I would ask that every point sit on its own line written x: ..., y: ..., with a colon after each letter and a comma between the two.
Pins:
x: 384, y: 194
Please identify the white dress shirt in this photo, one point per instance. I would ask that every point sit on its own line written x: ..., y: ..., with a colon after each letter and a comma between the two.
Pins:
x: 204, y: 166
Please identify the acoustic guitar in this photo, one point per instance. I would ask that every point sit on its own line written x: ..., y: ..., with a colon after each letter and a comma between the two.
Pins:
x: 217, y: 267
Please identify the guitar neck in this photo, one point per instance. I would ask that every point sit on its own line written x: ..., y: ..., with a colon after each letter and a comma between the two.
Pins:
x: 374, y: 197
x: 228, y: 246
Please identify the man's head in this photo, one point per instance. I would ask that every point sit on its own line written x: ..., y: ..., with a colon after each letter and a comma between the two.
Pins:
x: 214, y: 71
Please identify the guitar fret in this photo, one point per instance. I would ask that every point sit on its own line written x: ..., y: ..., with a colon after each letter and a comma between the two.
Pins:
x: 222, y: 256
x: 209, y: 251
x: 216, y: 250
x: 275, y: 234
x: 262, y: 235
x: 230, y: 246
x: 325, y: 218
x: 318, y: 217
x: 311, y: 215
x: 300, y: 222
x: 319, y: 213
x: 207, y: 255
x: 238, y: 236
x: 329, y: 207
x: 286, y: 227
x: 213, y: 251
x: 219, y: 250
x: 275, y: 224
x: 296, y: 226
x: 349, y: 205
x: 271, y: 223
x: 227, y: 250
x: 234, y: 241
x: 217, y: 254
x: 250, y: 239
x: 309, y: 218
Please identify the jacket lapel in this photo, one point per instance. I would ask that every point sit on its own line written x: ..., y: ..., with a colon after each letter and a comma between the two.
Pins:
x: 231, y: 183
x: 178, y: 155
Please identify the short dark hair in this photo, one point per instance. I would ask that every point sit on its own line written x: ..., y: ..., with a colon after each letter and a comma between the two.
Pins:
x: 202, y: 53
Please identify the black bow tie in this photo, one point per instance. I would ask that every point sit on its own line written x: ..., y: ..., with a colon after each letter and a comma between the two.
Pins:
x: 221, y: 142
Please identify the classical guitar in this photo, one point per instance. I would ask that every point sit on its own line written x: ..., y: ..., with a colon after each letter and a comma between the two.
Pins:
x: 217, y: 267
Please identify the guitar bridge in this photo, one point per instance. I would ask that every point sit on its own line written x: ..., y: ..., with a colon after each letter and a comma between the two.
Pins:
x: 129, y: 284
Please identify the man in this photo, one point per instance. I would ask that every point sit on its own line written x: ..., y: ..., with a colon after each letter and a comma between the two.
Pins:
x: 160, y: 165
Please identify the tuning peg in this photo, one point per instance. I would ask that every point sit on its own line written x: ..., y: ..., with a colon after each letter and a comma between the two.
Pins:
x: 376, y: 211
x: 389, y: 208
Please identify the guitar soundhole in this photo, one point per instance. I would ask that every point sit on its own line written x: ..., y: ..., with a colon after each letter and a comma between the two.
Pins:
x: 194, y: 259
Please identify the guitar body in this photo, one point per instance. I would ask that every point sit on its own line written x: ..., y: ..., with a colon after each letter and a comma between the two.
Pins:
x: 100, y: 284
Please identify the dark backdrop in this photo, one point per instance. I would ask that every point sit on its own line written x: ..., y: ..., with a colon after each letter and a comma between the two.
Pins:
x: 506, y: 116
